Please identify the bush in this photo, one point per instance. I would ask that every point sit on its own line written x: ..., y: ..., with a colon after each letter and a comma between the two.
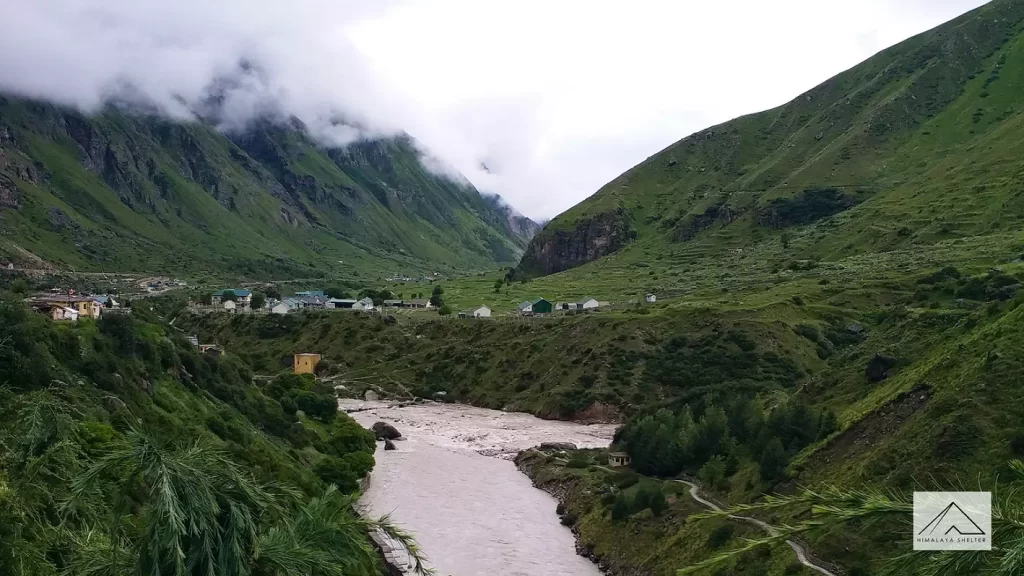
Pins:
x: 322, y: 407
x: 578, y: 460
x: 720, y: 536
x: 794, y: 567
x: 712, y: 474
x: 322, y: 367
x: 568, y: 519
x: 626, y: 481
x: 620, y: 509
x: 336, y: 471
x: 359, y: 462
x: 642, y: 501
x: 658, y: 504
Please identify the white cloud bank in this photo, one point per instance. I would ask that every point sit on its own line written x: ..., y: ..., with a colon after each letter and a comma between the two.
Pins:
x: 554, y: 98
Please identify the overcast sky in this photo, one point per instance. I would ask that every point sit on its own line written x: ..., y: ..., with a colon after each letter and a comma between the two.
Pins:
x: 555, y: 98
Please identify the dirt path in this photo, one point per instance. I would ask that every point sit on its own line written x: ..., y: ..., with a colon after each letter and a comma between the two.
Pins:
x: 798, y: 548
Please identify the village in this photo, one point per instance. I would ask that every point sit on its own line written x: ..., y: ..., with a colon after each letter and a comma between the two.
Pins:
x: 241, y: 300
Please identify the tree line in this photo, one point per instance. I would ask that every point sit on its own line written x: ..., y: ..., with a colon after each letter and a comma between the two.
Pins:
x: 714, y: 440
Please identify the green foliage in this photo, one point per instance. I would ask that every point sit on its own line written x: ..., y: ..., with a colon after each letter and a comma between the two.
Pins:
x: 436, y: 297
x: 620, y: 508
x: 713, y: 474
x: 772, y: 462
x: 337, y: 472
x: 125, y: 204
x: 658, y: 504
x: 338, y: 292
x: 578, y: 460
x: 667, y: 443
x: 19, y: 286
x: 259, y: 299
x: 445, y: 310
x: 721, y: 535
x: 91, y: 493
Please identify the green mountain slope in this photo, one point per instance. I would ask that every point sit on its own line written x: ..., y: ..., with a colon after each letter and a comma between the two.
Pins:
x: 129, y: 192
x: 919, y: 144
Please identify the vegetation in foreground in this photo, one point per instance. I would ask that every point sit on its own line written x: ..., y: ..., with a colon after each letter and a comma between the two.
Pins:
x: 125, y: 451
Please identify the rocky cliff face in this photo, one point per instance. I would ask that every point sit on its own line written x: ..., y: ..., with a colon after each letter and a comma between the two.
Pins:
x: 593, y: 237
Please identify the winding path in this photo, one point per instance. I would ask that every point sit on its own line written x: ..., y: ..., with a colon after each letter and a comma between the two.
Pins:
x: 799, y: 549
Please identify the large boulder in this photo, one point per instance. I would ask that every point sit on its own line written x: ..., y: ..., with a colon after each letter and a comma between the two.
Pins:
x: 385, y: 431
x: 557, y: 446
x: 878, y: 367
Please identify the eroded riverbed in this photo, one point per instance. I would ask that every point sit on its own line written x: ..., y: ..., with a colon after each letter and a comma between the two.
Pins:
x: 453, y: 485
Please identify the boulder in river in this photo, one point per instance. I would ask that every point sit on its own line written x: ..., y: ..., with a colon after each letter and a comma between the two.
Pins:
x: 389, y: 445
x: 385, y: 431
x: 557, y: 446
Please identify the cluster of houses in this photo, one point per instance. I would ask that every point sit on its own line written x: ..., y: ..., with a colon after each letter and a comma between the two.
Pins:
x: 318, y: 300
x: 544, y: 306
x: 237, y: 299
x: 69, y: 307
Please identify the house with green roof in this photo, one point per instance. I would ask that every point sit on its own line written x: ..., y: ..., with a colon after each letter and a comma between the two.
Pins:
x: 241, y: 296
x: 541, y: 306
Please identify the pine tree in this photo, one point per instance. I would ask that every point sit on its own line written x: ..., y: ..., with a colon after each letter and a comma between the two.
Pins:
x: 773, y: 461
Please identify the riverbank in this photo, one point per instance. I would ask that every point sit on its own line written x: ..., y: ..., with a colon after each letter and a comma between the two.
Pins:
x: 452, y: 485
x: 637, y: 541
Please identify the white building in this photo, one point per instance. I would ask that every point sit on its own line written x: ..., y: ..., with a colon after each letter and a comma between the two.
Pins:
x: 281, y: 308
x: 364, y: 304
x: 587, y: 304
x: 482, y: 312
x: 651, y: 298
x: 230, y: 306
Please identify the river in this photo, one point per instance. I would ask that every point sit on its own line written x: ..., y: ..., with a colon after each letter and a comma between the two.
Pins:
x: 453, y: 485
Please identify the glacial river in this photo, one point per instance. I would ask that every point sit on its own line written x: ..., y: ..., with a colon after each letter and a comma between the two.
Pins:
x: 453, y: 485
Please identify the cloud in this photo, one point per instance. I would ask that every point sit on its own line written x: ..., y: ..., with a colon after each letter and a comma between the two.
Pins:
x: 541, y: 102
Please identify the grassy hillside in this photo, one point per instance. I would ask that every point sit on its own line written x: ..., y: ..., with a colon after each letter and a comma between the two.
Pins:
x: 840, y: 277
x: 918, y: 145
x: 123, y: 451
x: 124, y: 191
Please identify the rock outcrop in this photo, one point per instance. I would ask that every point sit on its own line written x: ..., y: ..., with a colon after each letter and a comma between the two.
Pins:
x: 557, y: 446
x: 878, y: 367
x: 592, y: 237
x: 389, y: 445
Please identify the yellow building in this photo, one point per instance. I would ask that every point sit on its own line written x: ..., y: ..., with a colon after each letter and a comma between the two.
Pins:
x: 88, y: 309
x: 305, y: 363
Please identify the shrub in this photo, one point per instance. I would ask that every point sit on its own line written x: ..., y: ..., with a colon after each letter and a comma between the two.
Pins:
x: 569, y: 519
x: 658, y: 503
x: 336, y: 471
x: 642, y: 500
x: 720, y: 536
x: 626, y: 481
x: 322, y: 367
x: 712, y: 474
x: 620, y: 509
x: 578, y: 460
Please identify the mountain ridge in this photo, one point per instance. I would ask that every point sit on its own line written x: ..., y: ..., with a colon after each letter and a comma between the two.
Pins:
x: 121, y: 191
x: 867, y: 132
